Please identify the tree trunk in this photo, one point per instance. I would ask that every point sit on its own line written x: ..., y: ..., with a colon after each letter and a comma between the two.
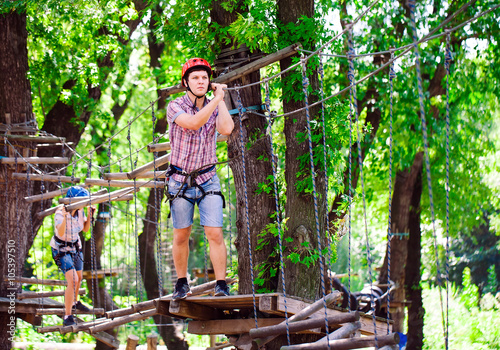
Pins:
x: 257, y: 170
x: 413, y: 267
x: 15, y: 99
x: 404, y: 188
x: 301, y: 280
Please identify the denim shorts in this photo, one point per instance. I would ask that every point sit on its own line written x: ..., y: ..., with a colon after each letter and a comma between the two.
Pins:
x: 210, y: 207
x: 68, y: 260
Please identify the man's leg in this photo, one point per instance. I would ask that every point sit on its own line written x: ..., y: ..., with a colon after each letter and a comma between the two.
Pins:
x: 218, y: 252
x: 180, y: 250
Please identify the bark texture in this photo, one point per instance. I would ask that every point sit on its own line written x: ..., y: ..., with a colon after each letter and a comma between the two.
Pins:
x: 16, y: 235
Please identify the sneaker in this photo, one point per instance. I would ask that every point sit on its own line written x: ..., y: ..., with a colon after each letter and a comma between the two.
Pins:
x: 79, y: 306
x: 181, y: 292
x: 221, y: 291
x: 69, y: 321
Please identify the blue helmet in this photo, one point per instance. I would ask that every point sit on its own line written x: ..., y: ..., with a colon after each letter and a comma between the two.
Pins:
x: 77, y: 191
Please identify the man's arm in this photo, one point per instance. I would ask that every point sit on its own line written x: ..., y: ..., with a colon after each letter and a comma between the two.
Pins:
x: 224, y: 123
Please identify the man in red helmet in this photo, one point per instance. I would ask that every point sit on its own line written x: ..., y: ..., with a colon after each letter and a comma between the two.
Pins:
x: 193, y: 121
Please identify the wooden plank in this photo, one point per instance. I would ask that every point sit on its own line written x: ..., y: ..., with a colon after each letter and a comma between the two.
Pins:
x: 227, y: 303
x: 187, y: 309
x: 149, y: 166
x: 159, y: 174
x: 149, y: 304
x: 35, y: 160
x: 48, y: 178
x: 117, y: 183
x: 56, y: 293
x: 165, y: 146
x: 245, y: 70
x: 234, y: 326
x: 26, y: 280
x: 81, y: 325
x: 60, y: 312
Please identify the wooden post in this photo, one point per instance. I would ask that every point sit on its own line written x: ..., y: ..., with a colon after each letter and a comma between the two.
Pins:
x: 57, y: 293
x: 132, y: 342
x: 35, y: 160
x: 121, y: 320
x: 49, y: 195
x: 152, y: 341
x: 27, y: 280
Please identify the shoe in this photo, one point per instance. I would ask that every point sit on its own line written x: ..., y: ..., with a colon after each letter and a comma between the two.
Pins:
x: 221, y: 291
x: 70, y: 321
x: 79, y: 306
x: 181, y: 292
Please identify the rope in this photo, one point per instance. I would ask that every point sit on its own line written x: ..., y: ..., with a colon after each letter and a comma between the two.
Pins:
x: 305, y: 84
x: 411, y: 3
x: 247, y: 219
x: 447, y: 62
x: 276, y: 202
x: 392, y: 76
x: 354, y: 105
x: 230, y: 219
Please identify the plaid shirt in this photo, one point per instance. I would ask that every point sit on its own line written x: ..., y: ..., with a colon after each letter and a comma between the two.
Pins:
x: 191, y: 149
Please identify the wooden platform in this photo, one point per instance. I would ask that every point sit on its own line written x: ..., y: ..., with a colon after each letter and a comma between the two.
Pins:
x: 227, y: 315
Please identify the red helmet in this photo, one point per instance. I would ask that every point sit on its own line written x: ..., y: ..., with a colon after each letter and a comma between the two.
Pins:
x: 199, y: 63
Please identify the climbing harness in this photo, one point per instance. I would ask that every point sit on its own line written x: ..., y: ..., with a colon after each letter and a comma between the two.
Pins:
x: 190, y: 181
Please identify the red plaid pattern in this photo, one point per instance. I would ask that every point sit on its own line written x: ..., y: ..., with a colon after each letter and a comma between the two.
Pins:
x: 191, y: 149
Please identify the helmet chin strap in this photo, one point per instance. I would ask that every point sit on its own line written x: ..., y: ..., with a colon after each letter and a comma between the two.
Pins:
x: 196, y: 97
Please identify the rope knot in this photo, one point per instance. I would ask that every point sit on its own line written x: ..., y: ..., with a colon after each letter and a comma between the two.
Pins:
x: 392, y: 73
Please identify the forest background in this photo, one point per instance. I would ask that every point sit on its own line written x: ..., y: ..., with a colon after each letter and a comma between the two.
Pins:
x: 94, y: 67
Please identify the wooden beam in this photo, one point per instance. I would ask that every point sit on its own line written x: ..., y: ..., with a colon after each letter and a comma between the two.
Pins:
x: 81, y: 325
x: 60, y: 312
x: 35, y: 320
x: 303, y: 325
x: 28, y: 138
x: 101, y: 199
x: 56, y: 293
x: 89, y: 274
x: 236, y: 326
x: 35, y: 160
x: 245, y: 70
x: 117, y: 183
x: 159, y: 174
x: 26, y: 280
x: 149, y: 166
x: 49, y: 195
x: 70, y: 200
x: 165, y: 146
x: 186, y: 309
x: 122, y: 320
x: 352, y: 343
x: 48, y: 178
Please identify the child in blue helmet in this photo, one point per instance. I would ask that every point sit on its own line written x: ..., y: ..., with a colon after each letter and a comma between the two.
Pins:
x: 67, y: 250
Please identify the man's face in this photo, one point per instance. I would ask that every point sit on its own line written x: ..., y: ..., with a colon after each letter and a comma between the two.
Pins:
x: 198, y: 82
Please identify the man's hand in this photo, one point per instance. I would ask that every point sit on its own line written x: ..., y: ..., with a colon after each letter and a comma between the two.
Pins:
x: 218, y: 90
